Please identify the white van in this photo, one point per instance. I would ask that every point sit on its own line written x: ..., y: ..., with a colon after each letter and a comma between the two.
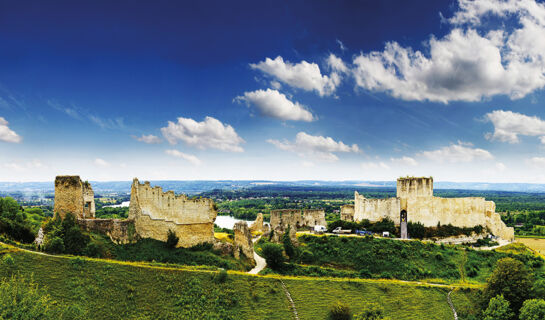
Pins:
x: 320, y: 229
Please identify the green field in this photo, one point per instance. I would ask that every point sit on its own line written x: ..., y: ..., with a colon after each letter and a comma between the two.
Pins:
x: 104, y: 289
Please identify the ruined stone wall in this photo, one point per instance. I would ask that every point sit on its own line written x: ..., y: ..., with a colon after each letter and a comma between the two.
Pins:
x: 411, y: 187
x: 257, y: 226
x: 347, y: 212
x: 72, y: 195
x: 297, y: 218
x: 119, y: 231
x: 243, y: 241
x: 155, y: 212
x: 376, y: 209
x: 415, y: 195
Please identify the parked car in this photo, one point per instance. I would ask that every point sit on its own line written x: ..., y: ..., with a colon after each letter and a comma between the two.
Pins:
x: 320, y: 229
x: 364, y: 233
x: 386, y: 234
x: 339, y: 230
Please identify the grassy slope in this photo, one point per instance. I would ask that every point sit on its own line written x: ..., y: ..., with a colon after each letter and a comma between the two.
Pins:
x: 116, y: 290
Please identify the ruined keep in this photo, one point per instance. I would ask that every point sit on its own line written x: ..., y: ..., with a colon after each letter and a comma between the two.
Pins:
x: 74, y: 196
x: 415, y: 203
x: 154, y: 212
x: 243, y: 241
x: 296, y: 219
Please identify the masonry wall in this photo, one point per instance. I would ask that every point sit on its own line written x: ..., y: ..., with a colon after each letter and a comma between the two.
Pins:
x: 71, y: 194
x: 411, y: 187
x: 376, y: 209
x: 119, y: 231
x: 155, y: 212
x: 347, y: 212
x: 297, y: 218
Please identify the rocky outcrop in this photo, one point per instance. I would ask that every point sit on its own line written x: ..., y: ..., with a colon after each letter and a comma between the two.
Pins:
x: 257, y: 226
x: 243, y: 241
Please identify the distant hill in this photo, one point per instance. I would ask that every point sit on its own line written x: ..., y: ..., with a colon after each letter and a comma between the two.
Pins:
x: 198, y: 186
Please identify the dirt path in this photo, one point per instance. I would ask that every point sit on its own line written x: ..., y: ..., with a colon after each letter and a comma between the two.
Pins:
x: 260, y: 262
x: 292, y: 304
x: 451, y: 305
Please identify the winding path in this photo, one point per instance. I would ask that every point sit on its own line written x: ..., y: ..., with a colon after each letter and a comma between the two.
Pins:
x: 451, y: 305
x: 260, y: 262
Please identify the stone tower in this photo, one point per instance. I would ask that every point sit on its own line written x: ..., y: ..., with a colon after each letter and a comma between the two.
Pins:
x: 74, y: 196
x: 412, y: 187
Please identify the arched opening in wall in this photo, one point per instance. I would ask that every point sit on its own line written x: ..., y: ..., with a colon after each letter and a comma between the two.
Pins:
x: 403, y: 225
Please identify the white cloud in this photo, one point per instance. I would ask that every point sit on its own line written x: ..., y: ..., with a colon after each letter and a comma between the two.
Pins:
x: 461, y: 152
x: 404, y: 161
x: 6, y: 134
x: 537, y: 162
x: 101, y: 162
x: 467, y: 64
x: 189, y: 157
x: 210, y: 133
x: 336, y: 64
x: 302, y: 75
x: 24, y: 165
x: 150, y: 139
x: 274, y: 104
x: 306, y: 145
x: 374, y: 165
x: 509, y: 125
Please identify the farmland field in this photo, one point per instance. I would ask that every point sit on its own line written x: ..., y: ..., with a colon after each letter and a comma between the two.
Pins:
x: 536, y: 244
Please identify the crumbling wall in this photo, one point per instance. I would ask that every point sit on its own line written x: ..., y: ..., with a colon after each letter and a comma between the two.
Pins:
x: 119, y: 231
x: 155, y: 212
x: 294, y: 218
x: 243, y: 241
x: 376, y: 209
x: 347, y: 212
x: 415, y: 195
x: 313, y: 217
x: 73, y: 196
x: 257, y: 226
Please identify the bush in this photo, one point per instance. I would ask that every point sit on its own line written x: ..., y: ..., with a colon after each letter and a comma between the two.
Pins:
x: 54, y: 245
x: 372, y: 311
x: 172, y: 239
x: 498, y: 309
x: 273, y: 255
x: 221, y: 276
x: 339, y: 311
x: 289, y: 248
x: 533, y: 309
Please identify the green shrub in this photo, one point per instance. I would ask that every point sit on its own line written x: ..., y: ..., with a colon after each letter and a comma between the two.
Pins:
x: 221, y: 276
x: 372, y: 311
x: 533, y: 309
x: 498, y: 309
x: 54, y: 245
x: 289, y: 248
x: 172, y: 239
x: 339, y: 311
x: 273, y: 255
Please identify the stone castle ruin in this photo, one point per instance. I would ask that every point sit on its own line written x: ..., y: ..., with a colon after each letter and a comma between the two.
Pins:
x: 152, y: 213
x: 74, y: 196
x: 415, y: 203
x: 295, y: 219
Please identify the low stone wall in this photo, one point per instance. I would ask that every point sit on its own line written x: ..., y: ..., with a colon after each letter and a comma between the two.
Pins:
x: 119, y: 231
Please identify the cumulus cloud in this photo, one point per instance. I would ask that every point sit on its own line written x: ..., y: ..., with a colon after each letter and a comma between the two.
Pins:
x: 210, y: 133
x: 150, y: 139
x: 189, y: 157
x: 460, y: 152
x: 404, y: 161
x: 537, y: 162
x: 320, y: 147
x: 374, y: 165
x: 302, y: 75
x: 274, y: 104
x: 101, y: 162
x: 468, y: 63
x: 6, y: 134
x: 509, y: 125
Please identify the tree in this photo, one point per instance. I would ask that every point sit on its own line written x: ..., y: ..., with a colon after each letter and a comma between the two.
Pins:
x: 54, y: 245
x: 510, y: 279
x: 289, y: 248
x: 339, y: 311
x: 533, y: 309
x: 172, y: 239
x: 273, y: 255
x: 538, y: 289
x: 498, y: 309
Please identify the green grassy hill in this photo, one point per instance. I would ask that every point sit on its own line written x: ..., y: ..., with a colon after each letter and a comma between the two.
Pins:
x: 106, y: 289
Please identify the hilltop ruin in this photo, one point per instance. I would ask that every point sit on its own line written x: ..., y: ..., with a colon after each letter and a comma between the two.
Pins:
x: 152, y: 213
x: 415, y: 203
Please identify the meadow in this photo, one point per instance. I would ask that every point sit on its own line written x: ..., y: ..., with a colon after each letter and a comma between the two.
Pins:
x: 103, y: 289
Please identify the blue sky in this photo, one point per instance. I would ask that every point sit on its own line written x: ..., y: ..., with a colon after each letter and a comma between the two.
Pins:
x: 345, y: 90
